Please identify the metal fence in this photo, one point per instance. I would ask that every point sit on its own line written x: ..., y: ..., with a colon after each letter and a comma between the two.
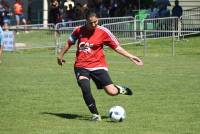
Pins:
x: 195, y: 10
x: 101, y: 21
x: 134, y: 29
x: 155, y: 28
x: 126, y: 29
x: 160, y: 24
x: 190, y: 23
x: 34, y: 36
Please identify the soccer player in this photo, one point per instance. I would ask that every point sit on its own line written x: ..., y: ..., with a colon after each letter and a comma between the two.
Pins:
x: 90, y: 60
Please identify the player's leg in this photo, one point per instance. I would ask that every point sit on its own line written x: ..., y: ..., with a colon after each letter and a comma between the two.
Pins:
x: 103, y: 81
x: 84, y: 84
x: 82, y: 76
x: 24, y: 22
x: 112, y: 89
x: 17, y: 17
x: 17, y: 22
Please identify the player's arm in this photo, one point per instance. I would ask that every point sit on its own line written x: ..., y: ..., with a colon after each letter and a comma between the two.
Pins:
x: 133, y: 58
x: 71, y: 41
x: 60, y: 58
x: 111, y: 41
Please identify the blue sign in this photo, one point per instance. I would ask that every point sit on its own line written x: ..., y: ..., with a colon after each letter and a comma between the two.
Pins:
x: 8, y: 41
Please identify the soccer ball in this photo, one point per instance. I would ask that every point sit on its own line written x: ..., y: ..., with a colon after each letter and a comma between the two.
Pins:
x: 117, y: 114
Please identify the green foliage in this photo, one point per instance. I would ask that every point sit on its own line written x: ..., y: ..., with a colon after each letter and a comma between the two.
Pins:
x: 39, y: 97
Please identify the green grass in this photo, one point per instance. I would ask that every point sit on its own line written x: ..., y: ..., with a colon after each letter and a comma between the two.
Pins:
x: 35, y: 39
x: 39, y: 97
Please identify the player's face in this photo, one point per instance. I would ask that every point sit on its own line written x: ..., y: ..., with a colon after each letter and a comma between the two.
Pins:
x: 92, y: 22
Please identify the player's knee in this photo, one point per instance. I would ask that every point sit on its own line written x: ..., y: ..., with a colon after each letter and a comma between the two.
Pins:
x: 82, y: 77
x: 83, y: 81
x: 84, y: 84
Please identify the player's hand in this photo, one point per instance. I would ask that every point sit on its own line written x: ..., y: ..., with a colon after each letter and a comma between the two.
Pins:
x: 60, y: 61
x: 136, y: 60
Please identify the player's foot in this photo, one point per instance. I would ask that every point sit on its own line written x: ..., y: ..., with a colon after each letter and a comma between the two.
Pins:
x: 96, y: 117
x: 124, y: 90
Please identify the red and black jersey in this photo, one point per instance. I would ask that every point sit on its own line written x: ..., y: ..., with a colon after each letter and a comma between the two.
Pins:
x: 90, y: 44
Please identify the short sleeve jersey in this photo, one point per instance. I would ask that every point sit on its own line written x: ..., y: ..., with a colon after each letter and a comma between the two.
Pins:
x: 18, y: 8
x: 90, y: 54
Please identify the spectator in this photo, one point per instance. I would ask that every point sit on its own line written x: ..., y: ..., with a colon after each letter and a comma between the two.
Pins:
x: 4, y: 15
x: 104, y: 12
x: 68, y: 3
x: 6, y: 27
x: 29, y: 11
x: 177, y: 12
x: 113, y: 8
x: 70, y: 13
x: 2, y: 12
x: 163, y: 11
x: 7, y: 12
x: 55, y: 15
x: 94, y: 5
x: 68, y: 10
x: 19, y: 13
x: 153, y: 11
x: 177, y: 9
x: 80, y: 11
x: 5, y: 4
x: 129, y: 9
x: 121, y: 9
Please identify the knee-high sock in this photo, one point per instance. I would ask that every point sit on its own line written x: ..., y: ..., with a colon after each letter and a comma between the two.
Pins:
x: 87, y: 95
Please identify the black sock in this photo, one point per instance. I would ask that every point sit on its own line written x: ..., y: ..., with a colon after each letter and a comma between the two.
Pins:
x: 87, y: 95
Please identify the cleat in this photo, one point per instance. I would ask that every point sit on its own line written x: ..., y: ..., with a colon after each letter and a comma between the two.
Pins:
x: 96, y: 117
x: 124, y: 90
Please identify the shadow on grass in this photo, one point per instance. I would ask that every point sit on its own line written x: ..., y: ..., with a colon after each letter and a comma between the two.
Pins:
x: 71, y: 116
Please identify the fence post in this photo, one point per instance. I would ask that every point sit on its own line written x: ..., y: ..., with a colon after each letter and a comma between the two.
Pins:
x: 145, y: 43
x: 173, y: 44
x: 56, y: 39
x: 179, y: 28
x: 135, y: 28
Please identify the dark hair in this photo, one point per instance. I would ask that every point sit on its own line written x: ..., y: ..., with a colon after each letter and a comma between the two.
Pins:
x: 90, y: 13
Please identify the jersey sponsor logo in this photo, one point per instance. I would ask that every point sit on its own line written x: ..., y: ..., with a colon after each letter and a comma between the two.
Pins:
x: 85, y: 47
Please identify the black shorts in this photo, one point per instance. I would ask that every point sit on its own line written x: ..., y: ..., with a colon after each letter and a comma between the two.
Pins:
x: 100, y: 77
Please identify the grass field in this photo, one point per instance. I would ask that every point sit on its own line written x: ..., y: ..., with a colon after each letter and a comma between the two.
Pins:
x: 39, y: 97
